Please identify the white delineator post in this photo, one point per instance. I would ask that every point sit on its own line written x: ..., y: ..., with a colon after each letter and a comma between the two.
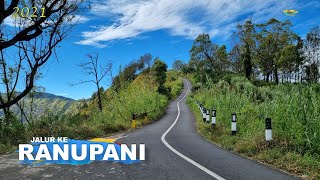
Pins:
x: 268, y: 129
x: 208, y: 116
x: 204, y: 114
x: 213, y: 123
x: 234, y: 124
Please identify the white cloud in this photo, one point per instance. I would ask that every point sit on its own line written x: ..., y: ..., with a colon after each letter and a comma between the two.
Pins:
x: 9, y: 21
x: 185, y: 18
x: 17, y: 22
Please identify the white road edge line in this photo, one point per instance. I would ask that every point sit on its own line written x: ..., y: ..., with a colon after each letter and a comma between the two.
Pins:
x: 163, y: 139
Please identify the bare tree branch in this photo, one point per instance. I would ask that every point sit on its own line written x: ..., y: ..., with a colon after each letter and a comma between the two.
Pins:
x: 35, y: 40
x: 91, y: 68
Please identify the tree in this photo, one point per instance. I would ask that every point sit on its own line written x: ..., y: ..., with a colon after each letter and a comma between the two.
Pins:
x: 129, y: 73
x: 146, y: 59
x: 311, y: 72
x: 222, y: 59
x: 160, y: 69
x: 264, y: 57
x: 234, y: 57
x: 202, y: 59
x: 93, y: 69
x: 300, y: 58
x: 288, y: 60
x: 245, y: 35
x: 271, y: 39
x: 312, y: 52
x: 178, y: 65
x: 33, y: 40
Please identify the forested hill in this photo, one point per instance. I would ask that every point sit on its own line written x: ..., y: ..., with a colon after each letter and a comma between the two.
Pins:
x: 143, y: 86
x: 41, y: 103
x: 52, y: 96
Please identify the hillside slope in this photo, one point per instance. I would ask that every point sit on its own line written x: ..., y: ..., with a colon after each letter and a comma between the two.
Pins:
x: 293, y: 108
x: 44, y: 103
x: 136, y: 97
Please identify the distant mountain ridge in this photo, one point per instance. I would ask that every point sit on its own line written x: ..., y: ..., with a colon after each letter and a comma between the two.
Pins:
x: 44, y: 102
x: 50, y: 95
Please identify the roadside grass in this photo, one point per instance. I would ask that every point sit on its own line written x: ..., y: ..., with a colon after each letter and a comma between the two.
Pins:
x: 139, y: 96
x: 6, y: 148
x: 294, y: 110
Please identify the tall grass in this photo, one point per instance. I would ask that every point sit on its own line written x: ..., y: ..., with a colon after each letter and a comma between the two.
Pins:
x: 139, y: 96
x: 294, y: 110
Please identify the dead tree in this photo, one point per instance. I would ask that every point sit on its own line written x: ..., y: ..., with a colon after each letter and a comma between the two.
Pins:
x: 97, y: 72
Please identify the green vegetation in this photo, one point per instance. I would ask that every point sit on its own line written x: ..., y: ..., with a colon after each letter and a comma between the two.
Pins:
x: 294, y: 110
x: 34, y: 108
x: 269, y: 72
x: 270, y: 51
x: 137, y: 95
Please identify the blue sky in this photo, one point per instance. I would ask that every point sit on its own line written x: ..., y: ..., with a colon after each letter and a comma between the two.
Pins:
x: 123, y: 30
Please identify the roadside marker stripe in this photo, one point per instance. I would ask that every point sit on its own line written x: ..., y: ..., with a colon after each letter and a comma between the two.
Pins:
x: 163, y: 139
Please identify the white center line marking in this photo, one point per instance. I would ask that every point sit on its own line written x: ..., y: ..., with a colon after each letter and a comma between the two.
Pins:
x: 163, y: 139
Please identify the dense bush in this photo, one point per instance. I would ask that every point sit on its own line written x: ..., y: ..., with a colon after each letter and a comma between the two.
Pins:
x: 13, y: 133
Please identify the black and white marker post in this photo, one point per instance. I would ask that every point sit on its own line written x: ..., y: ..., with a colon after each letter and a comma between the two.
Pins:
x: 213, y: 123
x: 268, y: 130
x: 234, y: 124
x: 204, y: 114
x: 208, y: 116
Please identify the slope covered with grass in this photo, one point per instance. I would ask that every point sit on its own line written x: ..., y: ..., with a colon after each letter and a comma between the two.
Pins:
x: 294, y: 109
x: 138, y: 96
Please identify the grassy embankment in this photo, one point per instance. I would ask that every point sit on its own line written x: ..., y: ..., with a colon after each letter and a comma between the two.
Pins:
x: 295, y: 113
x: 137, y: 97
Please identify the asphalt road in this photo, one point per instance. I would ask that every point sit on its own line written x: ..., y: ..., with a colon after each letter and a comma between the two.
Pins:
x: 174, y: 150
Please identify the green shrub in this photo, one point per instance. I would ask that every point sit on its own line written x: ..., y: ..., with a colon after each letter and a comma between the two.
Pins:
x: 12, y: 132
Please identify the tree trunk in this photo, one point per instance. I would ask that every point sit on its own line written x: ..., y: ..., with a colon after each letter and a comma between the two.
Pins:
x: 268, y: 77
x: 99, y: 98
x: 248, y: 67
x: 247, y: 62
x: 276, y: 74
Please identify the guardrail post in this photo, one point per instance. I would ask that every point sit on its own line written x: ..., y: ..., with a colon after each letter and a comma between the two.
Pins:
x: 214, y: 115
x: 208, y: 116
x: 234, y: 124
x: 133, y: 123
x: 268, y: 129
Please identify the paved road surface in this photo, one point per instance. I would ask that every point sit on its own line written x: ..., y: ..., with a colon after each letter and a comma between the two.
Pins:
x: 174, y: 150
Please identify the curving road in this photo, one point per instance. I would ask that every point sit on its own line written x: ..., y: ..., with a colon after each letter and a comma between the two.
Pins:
x: 174, y: 150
